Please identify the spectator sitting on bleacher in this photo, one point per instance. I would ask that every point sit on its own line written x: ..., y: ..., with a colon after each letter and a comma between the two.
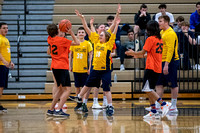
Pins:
x: 177, y: 28
x: 195, y: 19
x: 141, y: 19
x: 188, y: 47
x: 129, y: 44
x: 110, y: 20
x: 163, y: 12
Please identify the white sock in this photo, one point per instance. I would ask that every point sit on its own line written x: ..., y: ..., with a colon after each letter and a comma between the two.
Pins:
x: 104, y: 99
x: 173, y: 101
x: 79, y: 96
x: 85, y: 101
x: 157, y: 104
x: 95, y: 100
x: 109, y: 104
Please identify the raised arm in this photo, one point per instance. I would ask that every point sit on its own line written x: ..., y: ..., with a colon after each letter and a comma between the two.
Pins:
x: 76, y: 41
x: 115, y: 19
x: 92, y: 24
x: 87, y: 29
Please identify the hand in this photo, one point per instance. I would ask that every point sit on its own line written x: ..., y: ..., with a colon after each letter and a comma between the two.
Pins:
x: 92, y: 20
x: 130, y: 52
x: 144, y: 13
x: 119, y: 9
x: 165, y: 70
x: 12, y: 65
x: 69, y: 31
x: 78, y: 14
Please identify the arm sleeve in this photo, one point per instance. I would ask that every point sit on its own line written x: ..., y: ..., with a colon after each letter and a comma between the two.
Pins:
x: 94, y: 37
x: 156, y: 17
x: 170, y: 42
x: 111, y: 41
x: 148, y: 44
x: 192, y: 22
x: 89, y: 47
x: 136, y: 18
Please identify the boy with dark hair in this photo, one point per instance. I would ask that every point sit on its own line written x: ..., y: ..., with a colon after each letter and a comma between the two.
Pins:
x: 59, y: 48
x: 179, y: 19
x: 141, y: 19
x: 117, y: 40
x: 5, y: 60
x: 79, y: 61
x: 194, y: 19
x: 163, y: 12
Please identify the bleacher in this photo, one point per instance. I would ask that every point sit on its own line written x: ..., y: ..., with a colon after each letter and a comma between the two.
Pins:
x: 129, y: 82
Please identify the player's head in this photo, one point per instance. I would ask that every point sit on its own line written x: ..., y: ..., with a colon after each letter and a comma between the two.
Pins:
x: 163, y: 21
x: 104, y: 36
x: 179, y: 19
x: 143, y: 8
x: 198, y: 7
x: 110, y: 20
x: 100, y: 28
x: 3, y: 28
x: 52, y: 30
x: 81, y: 33
x: 162, y: 8
x: 131, y: 34
x: 153, y: 29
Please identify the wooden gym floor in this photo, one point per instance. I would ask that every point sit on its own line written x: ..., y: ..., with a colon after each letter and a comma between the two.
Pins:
x: 29, y: 117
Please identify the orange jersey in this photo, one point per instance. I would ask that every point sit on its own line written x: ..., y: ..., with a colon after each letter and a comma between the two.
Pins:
x: 154, y: 47
x: 114, y: 47
x: 59, y: 47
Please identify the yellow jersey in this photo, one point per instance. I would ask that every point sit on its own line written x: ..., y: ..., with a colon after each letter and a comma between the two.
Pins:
x: 80, y: 56
x: 170, y: 45
x: 102, y: 51
x: 5, y: 49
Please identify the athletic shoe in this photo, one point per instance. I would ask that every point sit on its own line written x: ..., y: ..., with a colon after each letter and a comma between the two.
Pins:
x: 49, y: 112
x: 84, y: 106
x: 173, y: 109
x: 78, y: 107
x: 151, y: 115
x: 149, y: 109
x: 3, y: 109
x: 76, y: 99
x: 122, y: 67
x: 96, y: 106
x: 109, y: 110
x: 60, y: 113
x: 165, y: 108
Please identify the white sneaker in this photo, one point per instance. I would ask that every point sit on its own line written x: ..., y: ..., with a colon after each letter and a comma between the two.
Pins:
x: 149, y: 109
x: 197, y: 66
x: 96, y: 106
x: 165, y: 109
x: 173, y: 109
x: 122, y: 67
x: 151, y: 115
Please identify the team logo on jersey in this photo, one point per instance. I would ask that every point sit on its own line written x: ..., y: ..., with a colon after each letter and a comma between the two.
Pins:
x: 80, y: 50
x: 99, y: 48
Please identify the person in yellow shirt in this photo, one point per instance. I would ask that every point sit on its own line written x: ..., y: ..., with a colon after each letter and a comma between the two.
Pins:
x: 170, y: 62
x: 79, y: 62
x: 5, y: 60
x: 101, y: 65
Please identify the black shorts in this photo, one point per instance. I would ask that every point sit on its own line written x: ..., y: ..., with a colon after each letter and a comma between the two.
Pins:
x: 152, y: 77
x: 62, y: 77
x: 80, y: 79
x: 95, y: 77
x: 170, y: 79
x: 4, y: 76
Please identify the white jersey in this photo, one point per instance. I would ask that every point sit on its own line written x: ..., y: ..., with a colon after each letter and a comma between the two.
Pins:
x: 168, y: 14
